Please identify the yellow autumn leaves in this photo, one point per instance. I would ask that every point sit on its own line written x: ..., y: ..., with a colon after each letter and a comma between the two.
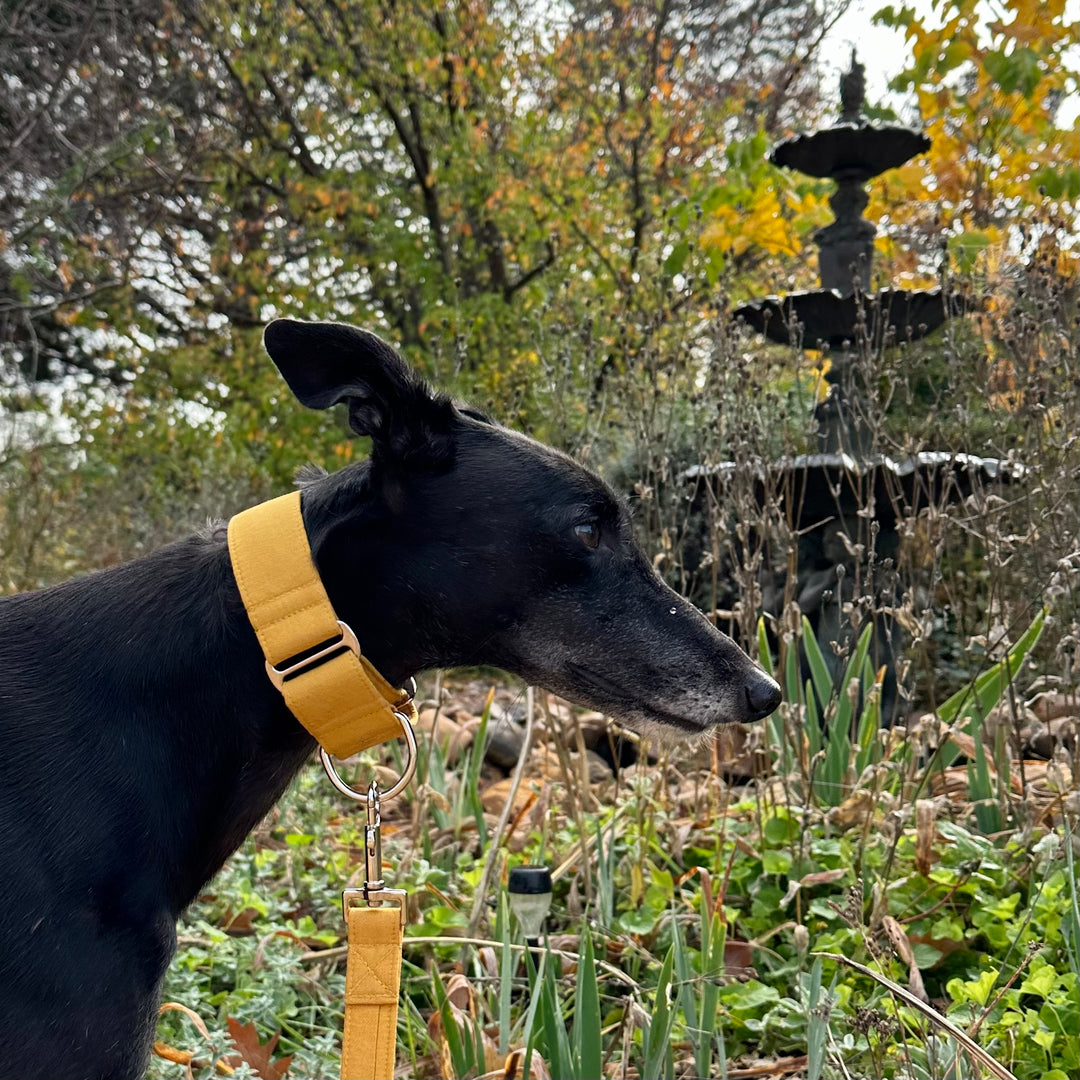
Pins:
x: 766, y: 223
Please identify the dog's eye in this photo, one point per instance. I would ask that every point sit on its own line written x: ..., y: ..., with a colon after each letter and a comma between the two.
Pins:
x: 588, y: 533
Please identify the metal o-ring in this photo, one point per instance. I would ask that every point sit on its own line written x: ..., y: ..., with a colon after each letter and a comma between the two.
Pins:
x: 403, y: 780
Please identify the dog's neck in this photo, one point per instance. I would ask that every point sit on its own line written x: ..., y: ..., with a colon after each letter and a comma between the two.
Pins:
x: 203, y: 679
x: 368, y: 551
x: 196, y: 697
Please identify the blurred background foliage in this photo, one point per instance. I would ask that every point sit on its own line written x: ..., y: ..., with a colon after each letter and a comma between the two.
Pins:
x: 551, y: 211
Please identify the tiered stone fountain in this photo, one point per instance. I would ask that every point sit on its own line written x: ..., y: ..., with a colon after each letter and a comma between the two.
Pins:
x: 850, y: 153
x: 844, y: 502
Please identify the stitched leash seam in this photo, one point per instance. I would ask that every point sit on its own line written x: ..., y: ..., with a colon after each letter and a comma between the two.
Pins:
x: 371, y: 970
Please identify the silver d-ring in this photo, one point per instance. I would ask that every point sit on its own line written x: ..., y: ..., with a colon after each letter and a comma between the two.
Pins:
x: 403, y: 780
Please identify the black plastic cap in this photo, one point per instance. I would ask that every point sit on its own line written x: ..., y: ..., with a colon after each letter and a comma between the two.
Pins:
x: 530, y: 880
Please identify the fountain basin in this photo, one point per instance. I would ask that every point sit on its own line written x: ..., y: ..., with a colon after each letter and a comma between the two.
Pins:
x: 816, y: 318
x: 817, y: 488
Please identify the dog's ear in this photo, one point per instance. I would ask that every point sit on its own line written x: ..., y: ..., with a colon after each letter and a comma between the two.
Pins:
x: 325, y: 363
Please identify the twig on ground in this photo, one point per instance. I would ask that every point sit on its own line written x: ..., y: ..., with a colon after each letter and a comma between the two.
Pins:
x: 931, y: 1014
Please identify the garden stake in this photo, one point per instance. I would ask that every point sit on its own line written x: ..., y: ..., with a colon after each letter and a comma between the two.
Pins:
x: 315, y: 661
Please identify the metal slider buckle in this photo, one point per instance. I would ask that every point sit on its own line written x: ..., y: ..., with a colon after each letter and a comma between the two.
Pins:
x: 374, y: 892
x: 346, y: 641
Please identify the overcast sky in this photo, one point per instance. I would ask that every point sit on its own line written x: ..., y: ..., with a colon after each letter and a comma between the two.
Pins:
x: 885, y: 53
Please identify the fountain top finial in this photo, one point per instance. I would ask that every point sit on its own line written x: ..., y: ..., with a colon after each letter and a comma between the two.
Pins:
x: 852, y: 92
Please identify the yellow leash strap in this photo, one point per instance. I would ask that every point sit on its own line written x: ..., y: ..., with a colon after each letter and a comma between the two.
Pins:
x: 369, y: 1045
x: 343, y: 701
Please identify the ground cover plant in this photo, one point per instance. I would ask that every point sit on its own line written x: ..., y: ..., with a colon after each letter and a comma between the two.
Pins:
x: 699, y: 925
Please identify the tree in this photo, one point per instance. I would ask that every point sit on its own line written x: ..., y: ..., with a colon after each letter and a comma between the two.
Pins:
x: 1001, y: 174
x: 461, y: 176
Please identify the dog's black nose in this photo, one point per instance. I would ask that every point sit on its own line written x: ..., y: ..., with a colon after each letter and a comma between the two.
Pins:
x: 762, y: 697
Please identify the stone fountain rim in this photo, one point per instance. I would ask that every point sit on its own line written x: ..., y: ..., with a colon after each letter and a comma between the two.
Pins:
x: 843, y: 153
x: 779, y: 315
x: 1000, y: 470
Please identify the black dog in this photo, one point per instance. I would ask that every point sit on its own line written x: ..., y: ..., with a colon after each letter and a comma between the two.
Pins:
x: 142, y: 739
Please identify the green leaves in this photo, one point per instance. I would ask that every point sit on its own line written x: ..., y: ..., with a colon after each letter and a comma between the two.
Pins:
x: 656, y: 1034
x: 585, y: 1034
x: 966, y: 246
x: 842, y: 722
x: 721, y: 968
x: 1018, y: 70
x: 973, y: 702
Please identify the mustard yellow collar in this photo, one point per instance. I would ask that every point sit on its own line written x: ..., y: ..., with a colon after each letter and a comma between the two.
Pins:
x: 333, y: 691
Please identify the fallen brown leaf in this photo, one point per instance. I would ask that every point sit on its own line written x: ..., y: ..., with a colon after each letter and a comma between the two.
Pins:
x: 895, y: 933
x: 258, y: 1055
x: 822, y: 877
x: 854, y: 810
x: 514, y: 1067
x: 790, y: 1066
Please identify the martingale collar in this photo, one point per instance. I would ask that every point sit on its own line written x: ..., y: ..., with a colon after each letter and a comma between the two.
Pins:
x: 312, y: 657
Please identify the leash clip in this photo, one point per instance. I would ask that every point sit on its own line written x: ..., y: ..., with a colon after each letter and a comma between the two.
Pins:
x: 374, y: 892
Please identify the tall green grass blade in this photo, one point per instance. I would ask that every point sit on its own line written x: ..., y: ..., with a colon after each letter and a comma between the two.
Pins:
x: 437, y: 774
x: 819, y: 667
x: 556, y: 1040
x: 605, y: 875
x: 833, y: 777
x: 990, y: 685
x: 778, y: 739
x: 853, y: 669
x: 656, y: 1039
x: 830, y: 782
x: 476, y: 1045
x: 461, y: 1054
x: 1003, y: 761
x: 813, y: 722
x: 973, y: 702
x: 817, y: 1025
x: 713, y: 937
x: 684, y: 977
x: 764, y: 653
x: 776, y: 721
x: 867, y: 681
x: 412, y: 1021
x: 533, y: 1032
x: 472, y: 774
x: 980, y: 786
x: 507, y: 964
x: 586, y: 1039
x: 794, y: 694
x: 868, y: 744
x: 791, y: 673
x: 1070, y: 921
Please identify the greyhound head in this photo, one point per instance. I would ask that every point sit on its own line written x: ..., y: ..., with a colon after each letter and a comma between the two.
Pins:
x: 462, y: 542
